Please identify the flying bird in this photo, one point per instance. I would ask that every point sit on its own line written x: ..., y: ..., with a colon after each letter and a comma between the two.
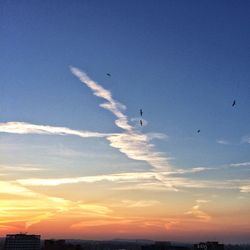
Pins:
x: 234, y: 103
x: 108, y: 74
x: 141, y: 122
x: 198, y: 131
x: 141, y: 112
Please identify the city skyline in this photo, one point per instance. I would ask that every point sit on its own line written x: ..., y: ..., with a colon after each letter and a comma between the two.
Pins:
x: 75, y: 160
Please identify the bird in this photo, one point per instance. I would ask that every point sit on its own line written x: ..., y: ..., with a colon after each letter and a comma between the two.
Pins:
x: 234, y: 103
x: 108, y: 74
x: 141, y: 122
x: 198, y: 131
x: 141, y: 112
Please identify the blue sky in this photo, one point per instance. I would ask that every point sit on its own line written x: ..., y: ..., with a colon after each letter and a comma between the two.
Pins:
x: 182, y: 62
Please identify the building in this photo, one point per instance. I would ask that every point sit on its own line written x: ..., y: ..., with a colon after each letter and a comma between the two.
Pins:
x: 22, y: 242
x: 163, y: 245
x: 210, y: 245
x: 59, y: 245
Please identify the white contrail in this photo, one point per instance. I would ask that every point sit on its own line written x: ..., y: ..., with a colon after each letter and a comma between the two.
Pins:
x: 134, y: 144
x: 123, y: 177
x: 131, y: 142
x: 112, y: 105
x: 28, y: 128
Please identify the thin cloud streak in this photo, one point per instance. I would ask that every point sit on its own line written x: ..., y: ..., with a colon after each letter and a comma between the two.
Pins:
x: 28, y: 128
x: 139, y: 203
x: 191, y: 170
x: 134, y: 144
x: 124, y: 177
x: 15, y: 189
x: 153, y: 181
x: 241, y: 164
x: 223, y: 142
x: 137, y: 147
x: 136, y: 222
x: 21, y: 168
x: 112, y: 105
x: 131, y: 142
x: 245, y: 139
x: 245, y: 189
x: 32, y: 207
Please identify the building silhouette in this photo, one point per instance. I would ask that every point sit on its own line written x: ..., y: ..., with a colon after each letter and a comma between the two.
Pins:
x: 22, y: 242
x: 209, y: 245
x: 60, y: 245
x: 163, y: 245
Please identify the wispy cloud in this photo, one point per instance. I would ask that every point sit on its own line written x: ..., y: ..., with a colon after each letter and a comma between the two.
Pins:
x: 15, y: 189
x: 137, y: 147
x: 112, y: 105
x: 131, y: 142
x: 197, y: 212
x: 29, y: 207
x: 139, y: 203
x: 170, y: 183
x: 28, y: 128
x: 190, y: 170
x: 21, y: 168
x: 134, y: 222
x: 245, y: 189
x: 245, y: 139
x: 224, y: 142
x: 134, y: 144
x: 123, y: 177
x: 155, y: 181
x: 241, y: 164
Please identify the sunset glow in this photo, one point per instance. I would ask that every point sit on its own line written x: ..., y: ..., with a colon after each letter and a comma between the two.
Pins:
x: 78, y: 160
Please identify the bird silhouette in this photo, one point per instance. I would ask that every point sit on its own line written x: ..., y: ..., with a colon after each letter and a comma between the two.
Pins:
x: 198, y: 131
x: 234, y: 103
x: 108, y: 74
x: 141, y: 122
x: 141, y: 112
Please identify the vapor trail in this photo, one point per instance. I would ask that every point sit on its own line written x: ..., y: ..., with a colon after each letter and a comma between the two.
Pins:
x: 28, y: 128
x: 131, y: 142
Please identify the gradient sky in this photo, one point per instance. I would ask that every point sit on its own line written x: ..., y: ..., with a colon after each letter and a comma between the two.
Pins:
x: 74, y: 161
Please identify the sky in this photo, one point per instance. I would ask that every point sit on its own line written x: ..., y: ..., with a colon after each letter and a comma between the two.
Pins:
x: 74, y: 160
